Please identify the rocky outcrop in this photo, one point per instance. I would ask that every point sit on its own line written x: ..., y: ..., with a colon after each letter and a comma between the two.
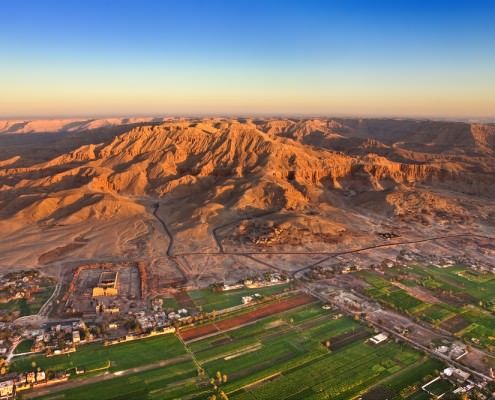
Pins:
x: 282, y: 164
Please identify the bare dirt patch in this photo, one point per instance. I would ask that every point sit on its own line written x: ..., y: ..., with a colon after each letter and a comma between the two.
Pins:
x: 185, y: 300
x: 59, y: 253
x: 417, y: 292
x: 455, y: 324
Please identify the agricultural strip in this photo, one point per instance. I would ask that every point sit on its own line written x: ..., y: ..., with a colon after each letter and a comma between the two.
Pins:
x: 116, y: 357
x: 238, y: 320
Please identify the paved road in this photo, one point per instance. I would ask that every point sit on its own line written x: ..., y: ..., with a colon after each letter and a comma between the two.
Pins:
x: 72, y: 384
x: 281, y: 270
x: 329, y: 253
x: 430, y: 239
x: 156, y: 207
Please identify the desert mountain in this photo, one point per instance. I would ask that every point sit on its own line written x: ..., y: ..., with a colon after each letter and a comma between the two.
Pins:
x: 69, y: 124
x: 91, y: 189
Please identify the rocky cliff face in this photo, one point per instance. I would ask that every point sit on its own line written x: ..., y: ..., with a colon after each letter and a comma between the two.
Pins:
x: 272, y: 159
x: 212, y: 170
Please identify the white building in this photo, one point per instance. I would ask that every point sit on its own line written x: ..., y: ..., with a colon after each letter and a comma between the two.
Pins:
x: 380, y: 338
x: 6, y: 389
x: 76, y: 337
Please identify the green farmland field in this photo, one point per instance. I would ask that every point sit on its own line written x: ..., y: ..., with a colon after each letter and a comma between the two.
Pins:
x: 458, y: 279
x: 461, y: 293
x: 210, y: 300
x: 29, y: 306
x: 165, y: 383
x: 339, y: 375
x: 435, y: 313
x: 116, y: 357
x: 386, y: 293
x: 24, y: 346
x: 282, y: 357
x: 287, y: 356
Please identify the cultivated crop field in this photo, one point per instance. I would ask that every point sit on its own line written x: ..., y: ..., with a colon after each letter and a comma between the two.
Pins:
x: 209, y: 300
x: 246, y: 317
x: 384, y: 292
x: 296, y: 352
x: 463, y: 298
x: 407, y: 383
x: 164, y: 383
x: 96, y: 357
x: 284, y: 357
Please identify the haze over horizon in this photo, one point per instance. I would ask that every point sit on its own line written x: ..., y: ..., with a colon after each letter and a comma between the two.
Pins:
x: 396, y: 59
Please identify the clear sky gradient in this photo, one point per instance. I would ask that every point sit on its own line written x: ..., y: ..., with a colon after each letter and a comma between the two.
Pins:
x: 425, y: 58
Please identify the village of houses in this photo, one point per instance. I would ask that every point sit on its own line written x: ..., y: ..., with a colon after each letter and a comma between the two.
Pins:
x: 109, y: 305
x: 111, y: 311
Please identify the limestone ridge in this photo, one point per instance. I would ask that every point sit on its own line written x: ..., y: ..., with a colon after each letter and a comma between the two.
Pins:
x: 235, y: 166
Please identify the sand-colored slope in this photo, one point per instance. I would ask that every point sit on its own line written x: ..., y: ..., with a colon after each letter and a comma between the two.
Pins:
x: 212, y: 172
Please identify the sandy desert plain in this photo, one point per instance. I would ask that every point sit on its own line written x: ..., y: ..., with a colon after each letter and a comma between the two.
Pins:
x: 272, y: 250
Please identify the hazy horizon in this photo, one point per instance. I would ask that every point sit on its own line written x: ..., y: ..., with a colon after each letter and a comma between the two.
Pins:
x: 355, y: 58
x: 466, y: 119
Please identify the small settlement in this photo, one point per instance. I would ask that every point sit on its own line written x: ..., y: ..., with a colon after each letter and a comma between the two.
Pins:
x: 376, y: 306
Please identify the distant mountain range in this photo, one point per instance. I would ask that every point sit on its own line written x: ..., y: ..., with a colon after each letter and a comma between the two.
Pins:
x: 96, y: 183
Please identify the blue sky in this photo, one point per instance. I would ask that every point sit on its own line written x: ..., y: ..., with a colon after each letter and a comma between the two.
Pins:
x: 343, y: 57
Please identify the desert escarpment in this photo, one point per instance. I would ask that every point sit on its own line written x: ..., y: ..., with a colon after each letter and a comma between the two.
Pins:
x: 106, y: 178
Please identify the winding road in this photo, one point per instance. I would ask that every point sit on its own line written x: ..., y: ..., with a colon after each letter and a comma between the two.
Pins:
x: 156, y: 207
x: 329, y: 253
x: 251, y: 254
x: 431, y: 239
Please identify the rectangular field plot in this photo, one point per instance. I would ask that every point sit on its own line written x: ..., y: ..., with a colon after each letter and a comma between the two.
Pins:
x: 400, y: 300
x: 439, y: 387
x: 23, y: 307
x: 275, y: 345
x: 171, y: 382
x: 336, y: 342
x: 374, y: 280
x: 396, y: 298
x: 435, y: 314
x: 407, y: 382
x: 481, y: 330
x: 306, y: 313
x: 248, y: 317
x: 96, y: 357
x: 209, y: 300
x: 342, y: 374
x: 384, y: 292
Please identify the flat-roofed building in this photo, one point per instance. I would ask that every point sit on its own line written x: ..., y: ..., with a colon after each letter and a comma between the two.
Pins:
x: 107, y: 285
x: 380, y: 338
x: 76, y: 337
x: 6, y: 389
